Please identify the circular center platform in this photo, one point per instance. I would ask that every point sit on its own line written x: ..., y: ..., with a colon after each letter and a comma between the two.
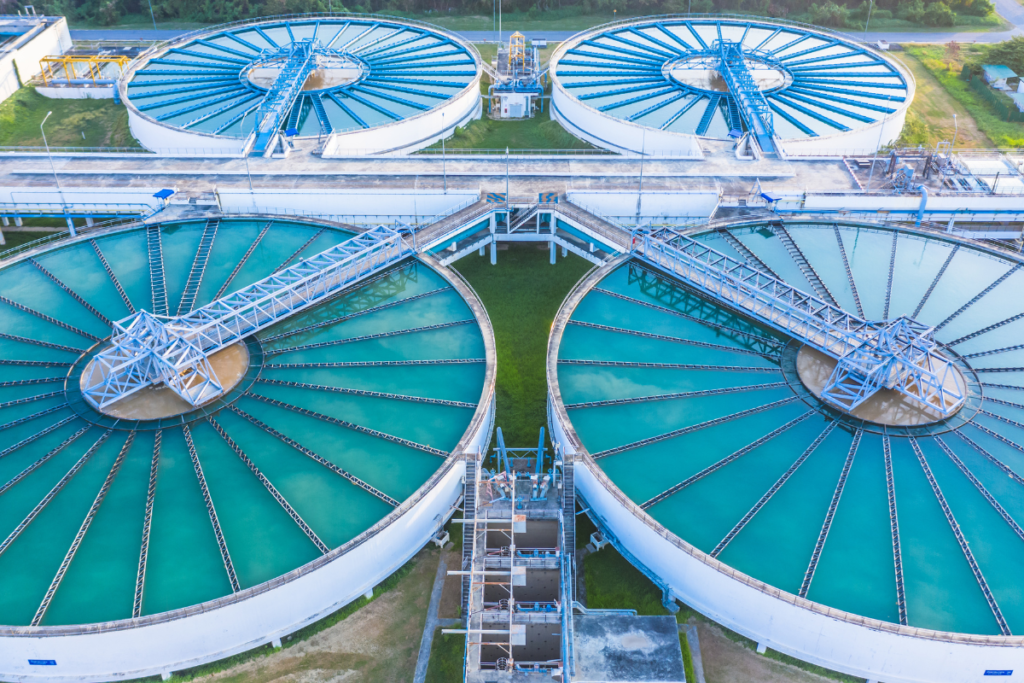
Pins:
x: 158, y: 401
x: 330, y: 72
x: 698, y: 73
x: 886, y: 407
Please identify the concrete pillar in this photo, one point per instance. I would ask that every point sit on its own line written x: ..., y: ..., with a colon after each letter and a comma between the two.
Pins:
x: 89, y: 222
x: 368, y: 594
x: 17, y: 221
x: 565, y: 252
x: 2, y: 240
x: 6, y: 221
x: 276, y: 643
x: 494, y: 251
x: 538, y: 222
x: 166, y: 676
x: 762, y: 648
x: 554, y: 252
x: 481, y: 251
x: 71, y: 227
x: 591, y: 247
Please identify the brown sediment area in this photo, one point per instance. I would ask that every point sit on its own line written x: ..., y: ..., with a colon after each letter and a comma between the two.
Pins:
x: 159, y: 401
x: 885, y: 407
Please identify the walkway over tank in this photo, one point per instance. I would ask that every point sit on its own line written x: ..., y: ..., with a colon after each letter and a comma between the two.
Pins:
x: 898, y: 354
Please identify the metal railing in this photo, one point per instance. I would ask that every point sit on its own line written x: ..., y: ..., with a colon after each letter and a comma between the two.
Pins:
x: 148, y: 349
x: 896, y: 354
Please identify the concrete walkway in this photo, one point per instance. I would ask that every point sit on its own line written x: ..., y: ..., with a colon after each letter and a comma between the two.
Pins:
x: 692, y: 640
x: 433, y: 622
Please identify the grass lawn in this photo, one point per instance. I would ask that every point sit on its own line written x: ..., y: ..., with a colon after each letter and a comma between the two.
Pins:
x: 930, y: 119
x: 447, y: 655
x: 958, y: 95
x: 540, y: 132
x: 75, y: 123
x: 522, y: 293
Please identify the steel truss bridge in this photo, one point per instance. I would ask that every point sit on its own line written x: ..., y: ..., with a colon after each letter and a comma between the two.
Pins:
x: 147, y: 349
x: 898, y: 354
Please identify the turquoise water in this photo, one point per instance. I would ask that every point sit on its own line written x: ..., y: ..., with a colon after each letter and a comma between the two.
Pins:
x: 392, y: 442
x: 772, y: 252
x: 856, y: 571
x: 819, y: 247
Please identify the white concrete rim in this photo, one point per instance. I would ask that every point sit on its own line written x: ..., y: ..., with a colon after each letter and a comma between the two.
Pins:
x: 481, y: 417
x: 558, y: 412
x: 159, y: 51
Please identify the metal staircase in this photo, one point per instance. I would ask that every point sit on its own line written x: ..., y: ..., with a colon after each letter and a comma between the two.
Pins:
x: 747, y: 95
x: 735, y: 121
x: 195, y: 276
x: 299, y: 59
x: 468, y: 513
x: 568, y: 507
x: 709, y: 114
x: 155, y: 251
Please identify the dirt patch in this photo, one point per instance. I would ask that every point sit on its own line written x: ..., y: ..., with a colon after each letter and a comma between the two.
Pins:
x: 377, y: 644
x: 727, y: 661
x: 451, y: 594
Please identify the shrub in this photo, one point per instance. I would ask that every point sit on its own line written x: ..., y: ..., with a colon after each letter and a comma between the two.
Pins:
x: 829, y: 14
x: 939, y: 14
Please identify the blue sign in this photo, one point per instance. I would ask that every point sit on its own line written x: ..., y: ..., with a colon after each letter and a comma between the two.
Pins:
x: 998, y: 672
x: 42, y: 662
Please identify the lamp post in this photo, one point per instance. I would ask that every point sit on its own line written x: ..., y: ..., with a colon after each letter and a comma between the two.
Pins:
x: 640, y: 192
x: 953, y: 145
x: 245, y: 155
x: 868, y: 20
x: 151, y: 15
x: 881, y: 127
x: 71, y: 223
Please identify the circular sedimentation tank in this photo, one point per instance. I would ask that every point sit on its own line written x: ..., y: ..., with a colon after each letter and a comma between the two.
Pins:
x: 374, y: 84
x: 886, y: 543
x: 154, y: 535
x: 655, y: 85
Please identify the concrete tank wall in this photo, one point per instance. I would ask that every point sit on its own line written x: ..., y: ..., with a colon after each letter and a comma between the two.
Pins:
x: 411, y: 134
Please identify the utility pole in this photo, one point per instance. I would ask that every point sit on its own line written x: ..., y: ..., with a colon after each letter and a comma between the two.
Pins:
x: 881, y: 127
x: 640, y: 192
x: 71, y: 223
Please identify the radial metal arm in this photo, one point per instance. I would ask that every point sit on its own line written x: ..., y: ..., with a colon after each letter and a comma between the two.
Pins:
x: 895, y: 354
x: 147, y: 349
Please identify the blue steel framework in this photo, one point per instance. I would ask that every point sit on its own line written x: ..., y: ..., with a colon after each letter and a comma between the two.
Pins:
x: 822, y: 84
x: 898, y: 354
x: 393, y: 71
x: 148, y: 349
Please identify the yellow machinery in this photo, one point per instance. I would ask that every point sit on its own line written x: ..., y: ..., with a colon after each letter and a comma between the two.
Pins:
x: 516, y: 53
x: 69, y: 63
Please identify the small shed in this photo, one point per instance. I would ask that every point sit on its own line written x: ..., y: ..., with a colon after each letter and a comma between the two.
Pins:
x: 996, y: 75
x: 1018, y: 99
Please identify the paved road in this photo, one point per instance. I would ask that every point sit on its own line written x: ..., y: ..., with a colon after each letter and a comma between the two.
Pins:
x: 1011, y: 10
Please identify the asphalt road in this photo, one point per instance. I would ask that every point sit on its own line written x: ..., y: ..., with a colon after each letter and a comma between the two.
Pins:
x: 1011, y: 10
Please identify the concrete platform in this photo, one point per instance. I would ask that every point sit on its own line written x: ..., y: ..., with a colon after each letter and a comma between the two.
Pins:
x: 619, y: 648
